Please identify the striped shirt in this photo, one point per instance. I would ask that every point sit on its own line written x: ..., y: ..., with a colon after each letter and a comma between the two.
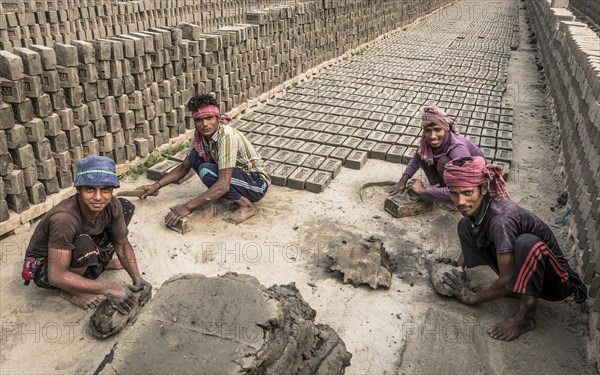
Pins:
x: 230, y: 149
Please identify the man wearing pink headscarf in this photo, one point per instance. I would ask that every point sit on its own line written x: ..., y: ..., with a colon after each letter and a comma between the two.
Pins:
x: 225, y: 161
x: 518, y: 245
x: 440, y: 143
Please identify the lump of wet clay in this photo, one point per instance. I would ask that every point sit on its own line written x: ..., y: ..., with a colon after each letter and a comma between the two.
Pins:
x: 107, y: 321
x: 228, y: 324
x: 363, y: 261
x: 436, y: 273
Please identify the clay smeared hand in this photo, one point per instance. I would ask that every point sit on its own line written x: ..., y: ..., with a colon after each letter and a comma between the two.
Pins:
x: 399, y: 187
x: 122, y: 298
x: 144, y: 286
x: 457, y: 285
x: 148, y: 190
x: 176, y: 213
x: 417, y: 186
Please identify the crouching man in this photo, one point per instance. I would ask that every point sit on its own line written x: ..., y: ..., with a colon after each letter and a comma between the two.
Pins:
x: 518, y: 245
x: 75, y: 242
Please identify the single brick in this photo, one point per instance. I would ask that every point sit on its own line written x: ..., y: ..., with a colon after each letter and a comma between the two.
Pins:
x: 297, y: 179
x: 356, y: 160
x: 318, y: 181
x: 281, y: 174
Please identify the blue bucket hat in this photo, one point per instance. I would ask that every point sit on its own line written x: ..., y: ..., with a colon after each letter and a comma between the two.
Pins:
x: 96, y: 171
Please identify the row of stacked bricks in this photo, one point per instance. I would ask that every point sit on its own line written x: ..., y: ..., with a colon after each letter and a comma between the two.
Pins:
x: 45, y: 22
x: 572, y: 65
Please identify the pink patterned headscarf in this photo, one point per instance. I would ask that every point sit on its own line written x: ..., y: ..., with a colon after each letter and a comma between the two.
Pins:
x: 472, y: 171
x: 201, y: 113
x: 434, y: 116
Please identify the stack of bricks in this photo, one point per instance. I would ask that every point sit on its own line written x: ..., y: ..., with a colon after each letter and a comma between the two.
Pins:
x: 589, y: 8
x: 570, y: 52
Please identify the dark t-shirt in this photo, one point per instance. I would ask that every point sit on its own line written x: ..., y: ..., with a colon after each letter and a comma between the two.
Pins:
x: 500, y: 222
x: 64, y: 222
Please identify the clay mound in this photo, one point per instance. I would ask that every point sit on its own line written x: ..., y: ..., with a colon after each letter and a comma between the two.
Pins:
x: 226, y: 325
x: 436, y: 273
x: 364, y: 261
x: 107, y: 321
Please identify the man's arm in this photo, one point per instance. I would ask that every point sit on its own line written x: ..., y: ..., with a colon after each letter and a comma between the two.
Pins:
x: 127, y: 258
x: 495, y: 291
x: 220, y: 188
x: 175, y: 175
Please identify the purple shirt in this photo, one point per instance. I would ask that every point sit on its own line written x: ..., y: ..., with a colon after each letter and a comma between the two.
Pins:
x: 454, y: 146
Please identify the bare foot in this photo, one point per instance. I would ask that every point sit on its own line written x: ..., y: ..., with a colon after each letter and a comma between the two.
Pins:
x: 114, y: 264
x: 523, y: 321
x: 85, y: 301
x: 246, y: 211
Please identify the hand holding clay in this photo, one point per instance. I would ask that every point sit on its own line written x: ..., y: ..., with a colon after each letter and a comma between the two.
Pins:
x: 122, y: 298
x: 148, y: 190
x: 176, y: 213
x: 457, y: 284
x: 399, y: 187
x: 144, y: 286
x: 417, y: 186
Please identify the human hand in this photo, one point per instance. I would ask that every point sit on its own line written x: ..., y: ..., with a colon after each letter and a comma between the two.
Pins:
x: 144, y: 286
x: 176, y: 213
x: 399, y: 187
x: 121, y: 297
x: 457, y: 285
x: 416, y: 186
x: 151, y: 189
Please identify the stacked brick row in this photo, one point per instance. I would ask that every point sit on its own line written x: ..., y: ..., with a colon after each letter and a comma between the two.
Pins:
x: 570, y: 55
x: 45, y: 22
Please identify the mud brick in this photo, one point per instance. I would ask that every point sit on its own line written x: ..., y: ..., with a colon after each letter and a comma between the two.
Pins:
x: 74, y: 137
x: 380, y: 151
x: 34, y: 130
x: 293, y: 133
x: 50, y: 81
x: 3, y: 144
x: 367, y: 146
x: 159, y: 170
x: 279, y: 142
x: 62, y: 160
x: 16, y: 136
x: 86, y: 52
x: 12, y: 91
x: 36, y: 193
x: 361, y: 133
x: 41, y: 149
x: 505, y: 165
x: 471, y: 130
x: 66, y: 55
x: 341, y: 153
x: 67, y: 77
x: 46, y: 169
x: 474, y: 138
x: 87, y: 73
x: 32, y: 86
x: 331, y: 165
x: 318, y: 181
x: 52, y: 125
x: 401, y: 206
x: 308, y: 135
x: 47, y: 56
x: 298, y: 178
x: 270, y: 166
x: 7, y: 117
x: 18, y: 202
x: 281, y: 156
x: 503, y: 155
x: 4, y: 214
x: 91, y: 147
x: 11, y: 66
x: 309, y: 147
x: 6, y: 165
x: 280, y: 175
x: 59, y: 143
x: 408, y: 154
x: 489, y: 152
x: 51, y: 185
x: 42, y: 106
x: 32, y: 62
x: 337, y: 140
x: 106, y: 143
x: 23, y: 157
x: 196, y: 218
x: 504, y: 144
x: 30, y: 176
x: 14, y: 182
x: 65, y: 179
x: 487, y: 142
x: 119, y: 155
x: 395, y: 154
x: 267, y: 152
x: 79, y: 116
x: 94, y: 109
x: 324, y: 150
x: 322, y: 138
x: 356, y: 160
x: 352, y: 142
x: 58, y: 100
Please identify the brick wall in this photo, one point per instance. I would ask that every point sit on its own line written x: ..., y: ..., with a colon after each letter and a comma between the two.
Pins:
x: 571, y: 58
x: 589, y: 8
x: 123, y: 95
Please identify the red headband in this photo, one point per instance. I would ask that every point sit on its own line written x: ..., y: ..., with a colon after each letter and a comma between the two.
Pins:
x: 206, y: 111
x: 475, y: 172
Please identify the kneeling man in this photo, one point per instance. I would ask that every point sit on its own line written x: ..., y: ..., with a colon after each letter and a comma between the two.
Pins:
x: 75, y: 242
x: 518, y: 245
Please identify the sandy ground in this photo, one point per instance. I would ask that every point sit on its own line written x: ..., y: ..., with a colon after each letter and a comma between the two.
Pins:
x: 406, y: 329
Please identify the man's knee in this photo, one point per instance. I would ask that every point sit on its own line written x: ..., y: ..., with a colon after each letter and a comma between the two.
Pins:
x: 209, y: 173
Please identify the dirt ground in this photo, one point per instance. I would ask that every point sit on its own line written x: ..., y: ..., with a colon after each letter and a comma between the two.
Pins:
x: 406, y: 329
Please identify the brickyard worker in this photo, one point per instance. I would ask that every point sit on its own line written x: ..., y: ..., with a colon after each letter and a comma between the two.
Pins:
x: 225, y: 161
x: 440, y: 143
x: 518, y: 245
x: 75, y: 242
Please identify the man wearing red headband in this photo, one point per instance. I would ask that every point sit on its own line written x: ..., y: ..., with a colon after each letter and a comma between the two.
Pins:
x: 518, y: 245
x: 440, y: 143
x: 225, y: 160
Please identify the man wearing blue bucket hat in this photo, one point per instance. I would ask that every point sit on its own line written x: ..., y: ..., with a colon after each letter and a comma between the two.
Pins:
x: 76, y: 240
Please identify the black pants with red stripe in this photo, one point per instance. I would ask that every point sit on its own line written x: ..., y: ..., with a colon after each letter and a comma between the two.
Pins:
x: 536, y: 271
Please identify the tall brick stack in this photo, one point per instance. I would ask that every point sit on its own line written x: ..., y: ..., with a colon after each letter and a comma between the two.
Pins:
x: 570, y: 52
x: 112, y: 78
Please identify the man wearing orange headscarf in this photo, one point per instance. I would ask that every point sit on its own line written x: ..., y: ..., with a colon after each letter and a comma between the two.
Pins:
x: 517, y: 244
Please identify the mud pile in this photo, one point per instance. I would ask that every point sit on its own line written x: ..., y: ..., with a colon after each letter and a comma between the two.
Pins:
x: 229, y: 324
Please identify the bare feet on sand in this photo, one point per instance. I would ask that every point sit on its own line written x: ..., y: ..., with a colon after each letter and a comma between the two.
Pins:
x: 523, y: 321
x: 114, y: 264
x: 85, y: 301
x: 246, y: 211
